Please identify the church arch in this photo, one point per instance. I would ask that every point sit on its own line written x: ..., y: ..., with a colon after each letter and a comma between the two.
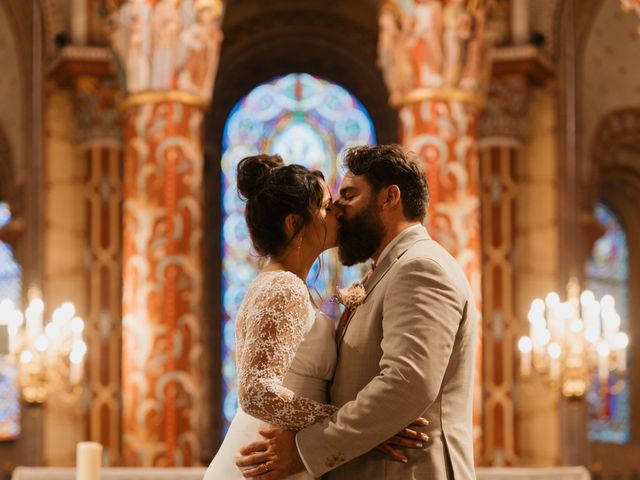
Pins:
x: 260, y: 43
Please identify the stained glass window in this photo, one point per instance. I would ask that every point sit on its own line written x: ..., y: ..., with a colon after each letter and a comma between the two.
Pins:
x: 10, y: 286
x: 308, y: 121
x: 607, y: 272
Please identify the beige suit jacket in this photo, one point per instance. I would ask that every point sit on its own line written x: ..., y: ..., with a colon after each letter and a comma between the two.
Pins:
x: 407, y: 351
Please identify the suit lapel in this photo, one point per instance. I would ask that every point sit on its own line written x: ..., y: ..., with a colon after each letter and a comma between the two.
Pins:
x: 404, y: 243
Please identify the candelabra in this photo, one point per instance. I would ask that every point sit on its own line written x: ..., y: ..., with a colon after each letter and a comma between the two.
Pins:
x: 50, y: 357
x: 570, y: 342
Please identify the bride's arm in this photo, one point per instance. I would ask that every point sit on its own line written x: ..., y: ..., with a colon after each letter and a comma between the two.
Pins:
x: 272, y: 335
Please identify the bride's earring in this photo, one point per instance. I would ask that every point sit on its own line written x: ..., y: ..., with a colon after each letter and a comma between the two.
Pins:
x: 299, y: 248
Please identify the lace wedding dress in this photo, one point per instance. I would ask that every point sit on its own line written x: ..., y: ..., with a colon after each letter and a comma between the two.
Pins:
x: 285, y: 356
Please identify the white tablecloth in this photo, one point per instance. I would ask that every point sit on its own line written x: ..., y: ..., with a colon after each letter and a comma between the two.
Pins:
x: 553, y: 473
x: 111, y: 473
x: 196, y: 473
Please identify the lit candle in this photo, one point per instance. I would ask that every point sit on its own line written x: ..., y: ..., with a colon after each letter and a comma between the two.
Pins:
x: 603, y: 350
x: 34, y: 318
x: 525, y: 345
x: 88, y: 461
x: 76, y: 362
x: 75, y: 372
x: 611, y: 324
x: 621, y: 341
x: 554, y: 350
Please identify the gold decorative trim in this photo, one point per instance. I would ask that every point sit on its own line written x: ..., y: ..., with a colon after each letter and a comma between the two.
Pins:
x: 177, y: 96
x: 442, y: 94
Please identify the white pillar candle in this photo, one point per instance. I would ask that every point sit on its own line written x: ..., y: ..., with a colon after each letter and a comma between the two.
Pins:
x: 88, y: 461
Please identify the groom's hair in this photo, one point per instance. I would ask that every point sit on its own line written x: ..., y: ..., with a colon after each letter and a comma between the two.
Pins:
x: 384, y: 165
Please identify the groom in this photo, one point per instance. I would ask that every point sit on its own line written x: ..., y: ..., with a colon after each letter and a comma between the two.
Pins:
x: 407, y: 351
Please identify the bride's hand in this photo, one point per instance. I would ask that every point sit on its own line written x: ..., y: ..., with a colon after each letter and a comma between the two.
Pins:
x: 406, y: 438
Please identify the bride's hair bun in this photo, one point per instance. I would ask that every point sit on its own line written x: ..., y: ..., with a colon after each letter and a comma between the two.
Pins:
x: 254, y: 172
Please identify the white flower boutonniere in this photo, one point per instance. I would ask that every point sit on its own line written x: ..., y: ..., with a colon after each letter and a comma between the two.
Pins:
x: 351, y: 297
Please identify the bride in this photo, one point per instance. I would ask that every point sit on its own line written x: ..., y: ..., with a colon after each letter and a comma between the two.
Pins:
x: 285, y: 348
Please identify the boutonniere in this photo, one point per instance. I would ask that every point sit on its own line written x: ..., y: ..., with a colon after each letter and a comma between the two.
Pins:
x: 351, y: 297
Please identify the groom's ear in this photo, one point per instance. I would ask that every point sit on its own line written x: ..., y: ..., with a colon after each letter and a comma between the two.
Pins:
x: 391, y: 196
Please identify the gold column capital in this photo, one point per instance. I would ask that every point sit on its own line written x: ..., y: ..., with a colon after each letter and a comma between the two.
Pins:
x: 151, y: 97
x: 474, y: 99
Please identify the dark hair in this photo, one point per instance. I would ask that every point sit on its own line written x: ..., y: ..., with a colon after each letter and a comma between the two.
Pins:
x: 274, y: 190
x: 384, y: 165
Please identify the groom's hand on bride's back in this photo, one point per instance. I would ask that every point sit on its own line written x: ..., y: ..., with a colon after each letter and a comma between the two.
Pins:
x: 407, y: 438
x: 274, y: 458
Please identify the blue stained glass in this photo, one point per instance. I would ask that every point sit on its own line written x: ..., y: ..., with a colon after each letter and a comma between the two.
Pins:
x: 10, y: 287
x: 607, y: 272
x: 308, y: 121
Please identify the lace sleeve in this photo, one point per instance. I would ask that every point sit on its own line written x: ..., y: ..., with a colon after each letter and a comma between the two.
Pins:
x: 272, y: 334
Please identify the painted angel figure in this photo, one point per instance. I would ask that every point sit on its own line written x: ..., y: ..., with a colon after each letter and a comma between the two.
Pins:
x: 165, y: 27
x: 200, y: 44
x: 132, y: 40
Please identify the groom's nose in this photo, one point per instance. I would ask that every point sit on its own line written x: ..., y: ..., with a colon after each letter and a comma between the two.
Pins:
x: 338, y: 209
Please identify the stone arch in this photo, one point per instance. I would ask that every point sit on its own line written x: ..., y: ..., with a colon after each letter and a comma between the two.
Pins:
x: 261, y: 42
x: 7, y: 185
x: 615, y: 180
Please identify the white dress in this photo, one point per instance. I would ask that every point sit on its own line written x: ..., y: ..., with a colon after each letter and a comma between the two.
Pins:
x: 286, y: 355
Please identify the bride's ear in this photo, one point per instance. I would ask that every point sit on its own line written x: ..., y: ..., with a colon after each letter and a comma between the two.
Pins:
x: 292, y: 224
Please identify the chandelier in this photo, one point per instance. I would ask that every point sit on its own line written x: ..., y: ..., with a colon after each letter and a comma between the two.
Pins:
x: 50, y: 358
x: 571, y: 342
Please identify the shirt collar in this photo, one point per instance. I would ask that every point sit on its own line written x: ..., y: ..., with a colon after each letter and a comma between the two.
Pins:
x: 394, y: 242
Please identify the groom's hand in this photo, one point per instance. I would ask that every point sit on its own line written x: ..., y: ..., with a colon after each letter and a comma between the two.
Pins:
x: 407, y: 438
x: 274, y: 458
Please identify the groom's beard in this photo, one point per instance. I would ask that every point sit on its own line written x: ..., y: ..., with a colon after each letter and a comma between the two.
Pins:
x: 360, y: 237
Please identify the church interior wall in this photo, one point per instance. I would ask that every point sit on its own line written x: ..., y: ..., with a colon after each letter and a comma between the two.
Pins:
x: 65, y: 268
x: 536, y: 267
x: 258, y: 47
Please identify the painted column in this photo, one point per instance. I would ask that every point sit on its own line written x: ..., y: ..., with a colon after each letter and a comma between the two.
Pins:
x: 504, y: 133
x: 169, y: 50
x: 501, y: 139
x: 100, y: 144
x: 434, y: 56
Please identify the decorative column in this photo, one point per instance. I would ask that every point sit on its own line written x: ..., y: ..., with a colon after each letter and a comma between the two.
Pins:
x: 101, y: 150
x: 169, y: 51
x: 89, y: 72
x: 434, y: 56
x: 503, y: 132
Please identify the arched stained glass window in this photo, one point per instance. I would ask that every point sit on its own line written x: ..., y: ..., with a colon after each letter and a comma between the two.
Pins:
x: 10, y: 286
x: 308, y: 121
x: 607, y: 272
